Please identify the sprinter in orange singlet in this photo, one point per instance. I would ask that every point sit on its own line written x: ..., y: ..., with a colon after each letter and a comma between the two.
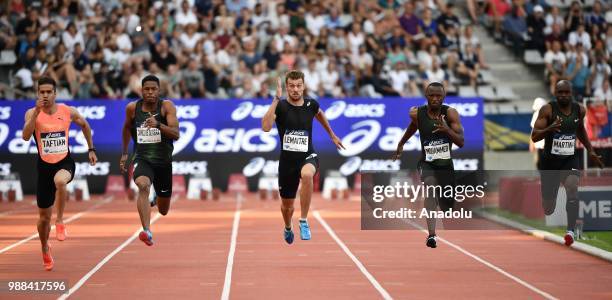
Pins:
x: 49, y: 123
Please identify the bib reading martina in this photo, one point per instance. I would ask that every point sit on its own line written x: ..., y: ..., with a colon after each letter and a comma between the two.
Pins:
x: 51, y: 134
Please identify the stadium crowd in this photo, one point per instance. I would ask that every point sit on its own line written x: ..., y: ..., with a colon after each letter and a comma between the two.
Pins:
x: 236, y: 48
x: 574, y: 40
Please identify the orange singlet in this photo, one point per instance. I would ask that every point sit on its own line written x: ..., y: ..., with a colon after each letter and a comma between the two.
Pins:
x: 51, y: 134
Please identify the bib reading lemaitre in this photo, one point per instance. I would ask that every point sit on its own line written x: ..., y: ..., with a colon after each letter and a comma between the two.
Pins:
x: 150, y: 144
x: 294, y: 124
x: 436, y: 147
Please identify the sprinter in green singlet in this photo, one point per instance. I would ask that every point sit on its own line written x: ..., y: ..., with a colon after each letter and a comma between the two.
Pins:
x: 153, y: 126
x: 439, y: 127
x: 560, y: 123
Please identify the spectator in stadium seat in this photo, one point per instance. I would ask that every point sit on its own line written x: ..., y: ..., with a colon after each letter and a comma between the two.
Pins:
x: 468, y: 66
x: 498, y: 9
x: 315, y: 21
x: 468, y: 37
x: 580, y: 35
x: 162, y: 56
x: 271, y: 56
x: 597, y: 15
x: 192, y: 83
x: 535, y: 29
x: 189, y: 38
x: 244, y: 19
x: 515, y: 27
x: 435, y: 74
x: 81, y: 60
x: 609, y: 39
x: 330, y: 84
x: 446, y: 21
x: 409, y: 21
x: 380, y: 84
x: 396, y: 55
x: 603, y: 93
x: 556, y: 35
x: 600, y: 71
x: 99, y: 16
x: 578, y: 51
x: 397, y: 38
x: 555, y: 61
x: 333, y: 19
x: 552, y: 18
x: 362, y: 59
x: 348, y: 80
x: 575, y: 17
x: 401, y: 81
x: 235, y: 6
x: 212, y: 73
x: 185, y: 15
x: 356, y: 38
x: 29, y: 24
x: 578, y: 73
x: 320, y: 42
x: 429, y: 27
x: 312, y: 79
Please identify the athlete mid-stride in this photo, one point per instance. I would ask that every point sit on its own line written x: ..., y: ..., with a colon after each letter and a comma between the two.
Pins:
x: 298, y: 160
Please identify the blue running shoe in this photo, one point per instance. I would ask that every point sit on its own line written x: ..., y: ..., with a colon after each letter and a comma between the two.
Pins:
x: 304, y: 230
x: 288, y: 236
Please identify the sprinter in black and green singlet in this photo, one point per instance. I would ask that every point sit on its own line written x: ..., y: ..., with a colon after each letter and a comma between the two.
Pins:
x: 153, y: 126
x: 560, y: 123
x: 439, y: 127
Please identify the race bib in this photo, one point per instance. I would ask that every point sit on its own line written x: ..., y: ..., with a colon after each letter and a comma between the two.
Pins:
x: 563, y: 144
x: 148, y: 135
x: 439, y: 149
x: 295, y: 141
x: 54, y: 142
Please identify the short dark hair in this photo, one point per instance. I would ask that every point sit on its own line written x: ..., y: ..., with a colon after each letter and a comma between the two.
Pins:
x: 293, y: 75
x: 46, y: 80
x: 435, y: 84
x: 150, y: 78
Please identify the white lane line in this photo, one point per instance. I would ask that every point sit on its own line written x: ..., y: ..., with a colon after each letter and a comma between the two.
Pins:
x: 72, y: 218
x: 363, y: 270
x: 104, y: 261
x: 230, y: 256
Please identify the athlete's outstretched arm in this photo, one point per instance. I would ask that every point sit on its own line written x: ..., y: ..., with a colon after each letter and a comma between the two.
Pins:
x: 30, y: 120
x: 412, y: 128
x: 581, y: 134
x: 172, y: 129
x: 323, y: 120
x: 126, y: 134
x: 540, y: 128
x: 76, y: 117
x: 270, y: 116
x: 454, y: 129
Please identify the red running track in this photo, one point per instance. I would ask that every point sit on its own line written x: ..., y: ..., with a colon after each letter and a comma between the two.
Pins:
x: 193, y: 249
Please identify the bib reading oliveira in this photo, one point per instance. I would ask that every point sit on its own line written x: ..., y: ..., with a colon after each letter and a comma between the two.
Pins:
x: 54, y: 142
x: 437, y: 149
x: 563, y: 144
x: 148, y: 135
x: 295, y: 140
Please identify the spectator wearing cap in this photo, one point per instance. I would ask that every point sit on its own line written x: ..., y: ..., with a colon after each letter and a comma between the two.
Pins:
x: 535, y: 29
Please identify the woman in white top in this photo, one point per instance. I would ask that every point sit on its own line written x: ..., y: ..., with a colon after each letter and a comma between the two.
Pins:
x: 356, y: 38
x: 553, y: 18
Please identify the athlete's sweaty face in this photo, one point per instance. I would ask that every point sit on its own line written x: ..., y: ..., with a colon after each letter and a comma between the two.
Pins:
x: 563, y: 93
x: 150, y: 91
x: 295, y: 89
x: 46, y: 94
x: 435, y: 96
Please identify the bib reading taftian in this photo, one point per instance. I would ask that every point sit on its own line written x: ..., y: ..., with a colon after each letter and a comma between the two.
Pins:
x: 295, y: 141
x: 54, y: 142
